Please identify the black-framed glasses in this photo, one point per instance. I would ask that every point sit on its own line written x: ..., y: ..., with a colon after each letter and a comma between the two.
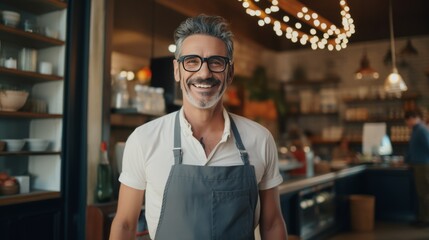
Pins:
x: 193, y: 63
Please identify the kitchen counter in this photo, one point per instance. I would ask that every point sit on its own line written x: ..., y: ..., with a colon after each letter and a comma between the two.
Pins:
x: 295, y: 183
x: 391, y: 185
x: 298, y: 182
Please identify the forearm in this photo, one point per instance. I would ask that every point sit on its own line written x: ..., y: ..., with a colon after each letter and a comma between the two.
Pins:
x: 276, y: 231
x: 120, y: 231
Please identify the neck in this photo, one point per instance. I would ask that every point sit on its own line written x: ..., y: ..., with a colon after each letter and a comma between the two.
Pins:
x: 201, y: 119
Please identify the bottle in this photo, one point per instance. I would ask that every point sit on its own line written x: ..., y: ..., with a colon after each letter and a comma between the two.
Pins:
x: 160, y: 101
x: 104, y: 188
x: 120, y: 96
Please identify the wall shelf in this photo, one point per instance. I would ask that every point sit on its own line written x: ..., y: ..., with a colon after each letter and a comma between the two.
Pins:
x: 387, y: 120
x: 34, y: 195
x: 405, y: 97
x: 128, y: 119
x: 313, y: 114
x: 27, y: 39
x: 28, y: 153
x: 313, y: 83
x: 27, y: 77
x: 38, y: 6
x: 29, y: 115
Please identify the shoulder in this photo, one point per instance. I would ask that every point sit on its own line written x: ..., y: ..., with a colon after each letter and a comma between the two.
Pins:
x: 249, y: 127
x: 163, y: 123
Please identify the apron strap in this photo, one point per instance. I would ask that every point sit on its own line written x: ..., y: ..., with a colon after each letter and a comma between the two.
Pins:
x: 243, y: 153
x: 177, y: 149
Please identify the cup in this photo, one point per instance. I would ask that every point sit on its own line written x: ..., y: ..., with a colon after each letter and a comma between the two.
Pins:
x: 28, y: 59
x: 10, y: 63
x: 30, y: 26
x: 24, y: 183
x: 45, y: 68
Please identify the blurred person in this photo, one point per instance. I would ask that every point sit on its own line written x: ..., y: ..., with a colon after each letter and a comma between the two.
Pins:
x: 204, y: 173
x: 343, y: 152
x: 418, y: 159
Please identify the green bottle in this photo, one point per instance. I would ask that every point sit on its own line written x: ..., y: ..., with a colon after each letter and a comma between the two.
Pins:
x: 104, y: 188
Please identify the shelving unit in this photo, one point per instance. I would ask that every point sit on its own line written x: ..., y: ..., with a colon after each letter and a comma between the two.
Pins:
x: 44, y: 167
x: 388, y: 110
x: 312, y: 105
x: 54, y: 207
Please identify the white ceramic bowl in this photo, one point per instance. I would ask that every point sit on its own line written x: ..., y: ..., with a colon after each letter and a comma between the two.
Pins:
x: 37, y: 144
x: 14, y: 145
x: 11, y: 18
x: 11, y: 100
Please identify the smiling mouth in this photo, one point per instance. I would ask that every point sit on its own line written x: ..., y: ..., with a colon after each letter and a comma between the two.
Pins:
x: 203, y: 86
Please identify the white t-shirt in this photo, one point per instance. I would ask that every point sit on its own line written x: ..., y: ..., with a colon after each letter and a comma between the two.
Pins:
x: 148, y: 157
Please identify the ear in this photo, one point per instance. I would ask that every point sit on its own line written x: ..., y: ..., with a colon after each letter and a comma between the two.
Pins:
x: 230, y: 73
x: 176, y: 65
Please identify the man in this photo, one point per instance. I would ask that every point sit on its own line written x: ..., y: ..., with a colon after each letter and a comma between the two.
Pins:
x: 204, y: 173
x: 418, y: 159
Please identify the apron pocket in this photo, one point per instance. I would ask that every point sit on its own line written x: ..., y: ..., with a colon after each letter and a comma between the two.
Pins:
x: 232, y: 215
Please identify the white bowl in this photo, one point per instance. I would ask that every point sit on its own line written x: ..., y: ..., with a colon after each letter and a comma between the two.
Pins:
x: 37, y: 144
x: 11, y: 100
x: 14, y: 145
x: 11, y: 18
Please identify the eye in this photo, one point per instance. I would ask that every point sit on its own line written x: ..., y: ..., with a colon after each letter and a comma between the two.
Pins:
x: 216, y: 61
x: 192, y: 61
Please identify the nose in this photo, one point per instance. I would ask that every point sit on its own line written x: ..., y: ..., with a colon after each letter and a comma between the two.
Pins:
x: 204, y: 71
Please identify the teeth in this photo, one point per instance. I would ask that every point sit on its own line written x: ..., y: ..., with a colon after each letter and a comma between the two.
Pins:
x: 202, y: 86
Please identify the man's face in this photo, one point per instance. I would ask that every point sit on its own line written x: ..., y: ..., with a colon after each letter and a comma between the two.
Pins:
x: 410, y: 122
x: 203, y: 89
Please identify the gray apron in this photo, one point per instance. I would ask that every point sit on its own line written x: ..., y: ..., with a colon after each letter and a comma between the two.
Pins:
x: 202, y: 202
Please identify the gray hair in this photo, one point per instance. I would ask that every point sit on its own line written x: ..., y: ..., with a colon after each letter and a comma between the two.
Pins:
x: 215, y: 26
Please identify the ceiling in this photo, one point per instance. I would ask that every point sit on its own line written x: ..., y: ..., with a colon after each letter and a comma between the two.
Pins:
x: 138, y: 22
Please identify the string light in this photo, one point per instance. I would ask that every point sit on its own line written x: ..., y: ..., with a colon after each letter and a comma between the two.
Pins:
x: 327, y: 34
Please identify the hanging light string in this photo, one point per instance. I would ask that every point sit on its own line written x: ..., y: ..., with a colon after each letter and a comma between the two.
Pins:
x: 392, y: 36
x: 330, y: 36
x: 394, y: 82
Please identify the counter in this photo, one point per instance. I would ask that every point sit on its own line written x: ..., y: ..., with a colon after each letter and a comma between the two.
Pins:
x: 391, y: 185
x: 296, y: 183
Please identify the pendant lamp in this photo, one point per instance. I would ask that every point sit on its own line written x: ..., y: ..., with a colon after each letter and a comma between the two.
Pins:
x: 409, y: 49
x: 366, y: 71
x: 394, y: 82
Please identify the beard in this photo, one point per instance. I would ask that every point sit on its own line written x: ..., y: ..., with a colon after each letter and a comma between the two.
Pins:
x: 212, y: 90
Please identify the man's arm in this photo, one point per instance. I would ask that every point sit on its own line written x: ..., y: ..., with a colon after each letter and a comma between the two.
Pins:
x: 129, y: 205
x: 272, y: 225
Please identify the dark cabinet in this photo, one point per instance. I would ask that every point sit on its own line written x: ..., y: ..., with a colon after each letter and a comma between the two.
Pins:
x: 394, y: 191
x: 344, y: 187
x: 289, y: 203
x: 19, y: 222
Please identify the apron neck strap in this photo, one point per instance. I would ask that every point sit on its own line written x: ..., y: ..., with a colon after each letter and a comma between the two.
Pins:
x: 243, y: 153
x: 177, y: 149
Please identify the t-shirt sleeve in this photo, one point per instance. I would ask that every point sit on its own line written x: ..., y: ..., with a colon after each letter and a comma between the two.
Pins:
x: 133, y: 163
x: 272, y: 176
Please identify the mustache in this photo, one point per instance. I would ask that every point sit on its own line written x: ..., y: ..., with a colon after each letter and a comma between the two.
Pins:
x: 208, y: 81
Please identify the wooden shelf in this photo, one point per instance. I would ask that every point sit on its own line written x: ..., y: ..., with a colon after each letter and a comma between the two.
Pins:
x: 34, y: 195
x: 128, y: 119
x: 29, y: 115
x: 37, y: 6
x: 405, y: 97
x: 320, y: 141
x: 397, y: 120
x: 312, y: 114
x: 27, y: 39
x: 27, y: 77
x: 28, y: 153
x: 312, y: 83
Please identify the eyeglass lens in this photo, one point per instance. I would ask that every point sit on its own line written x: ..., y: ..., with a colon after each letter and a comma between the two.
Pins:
x: 214, y: 63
